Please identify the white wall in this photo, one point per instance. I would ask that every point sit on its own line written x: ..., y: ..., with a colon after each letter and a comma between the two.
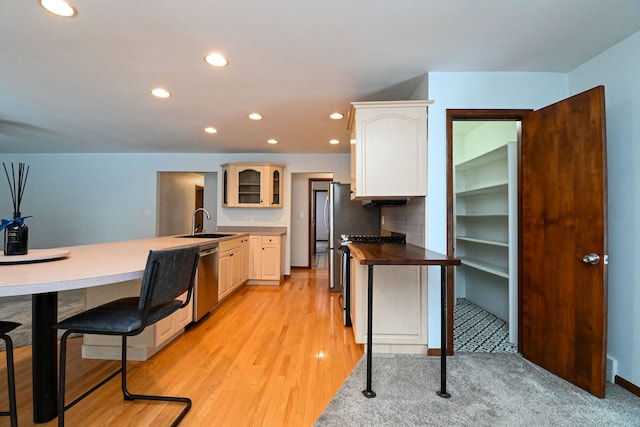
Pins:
x: 94, y: 198
x: 618, y: 69
x: 469, y: 90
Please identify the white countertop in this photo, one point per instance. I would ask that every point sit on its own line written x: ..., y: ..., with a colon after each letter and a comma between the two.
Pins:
x: 86, y: 266
x: 261, y: 230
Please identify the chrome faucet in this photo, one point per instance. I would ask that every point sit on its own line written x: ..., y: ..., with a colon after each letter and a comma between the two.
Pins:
x: 193, y: 220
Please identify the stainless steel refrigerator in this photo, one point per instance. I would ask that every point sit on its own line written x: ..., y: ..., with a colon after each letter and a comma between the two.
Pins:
x: 344, y: 216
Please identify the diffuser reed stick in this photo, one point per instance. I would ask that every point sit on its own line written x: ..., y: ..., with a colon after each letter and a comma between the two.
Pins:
x: 16, y: 186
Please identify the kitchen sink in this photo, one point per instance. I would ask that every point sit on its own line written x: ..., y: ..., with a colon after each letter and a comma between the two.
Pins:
x: 207, y: 235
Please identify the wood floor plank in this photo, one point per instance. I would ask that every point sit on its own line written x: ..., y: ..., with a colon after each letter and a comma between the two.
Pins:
x: 269, y: 356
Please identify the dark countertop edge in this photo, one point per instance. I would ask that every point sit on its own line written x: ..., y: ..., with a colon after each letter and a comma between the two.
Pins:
x: 398, y: 254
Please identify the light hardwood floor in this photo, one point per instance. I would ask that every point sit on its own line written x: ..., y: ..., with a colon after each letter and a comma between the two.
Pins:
x: 269, y: 356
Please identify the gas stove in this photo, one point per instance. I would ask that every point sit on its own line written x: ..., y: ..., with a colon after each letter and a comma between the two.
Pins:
x: 369, y: 238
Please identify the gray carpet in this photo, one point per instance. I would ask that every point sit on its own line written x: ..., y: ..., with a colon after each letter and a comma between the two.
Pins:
x: 486, y: 390
x: 18, y: 309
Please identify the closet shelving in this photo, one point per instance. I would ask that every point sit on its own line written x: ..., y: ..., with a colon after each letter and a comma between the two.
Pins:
x: 486, y: 230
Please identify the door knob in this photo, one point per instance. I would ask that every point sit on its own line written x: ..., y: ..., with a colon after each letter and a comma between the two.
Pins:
x: 591, y: 258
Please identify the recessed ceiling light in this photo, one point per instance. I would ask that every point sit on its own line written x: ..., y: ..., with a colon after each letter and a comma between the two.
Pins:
x: 216, y: 59
x: 59, y: 8
x: 272, y: 141
x: 211, y: 130
x: 353, y: 141
x: 255, y: 116
x: 334, y: 142
x: 160, y: 92
x: 336, y: 116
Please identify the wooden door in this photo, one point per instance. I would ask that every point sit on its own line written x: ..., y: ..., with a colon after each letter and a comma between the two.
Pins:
x: 563, y: 301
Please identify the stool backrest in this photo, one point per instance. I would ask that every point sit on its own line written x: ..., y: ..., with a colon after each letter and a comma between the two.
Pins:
x: 168, y: 274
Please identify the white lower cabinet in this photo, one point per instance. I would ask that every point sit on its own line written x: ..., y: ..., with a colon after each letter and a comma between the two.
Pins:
x: 244, y: 259
x: 230, y: 263
x: 399, y: 307
x: 265, y: 259
x: 139, y: 347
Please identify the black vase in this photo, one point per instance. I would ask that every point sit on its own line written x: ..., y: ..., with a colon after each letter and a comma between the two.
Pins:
x: 16, y: 237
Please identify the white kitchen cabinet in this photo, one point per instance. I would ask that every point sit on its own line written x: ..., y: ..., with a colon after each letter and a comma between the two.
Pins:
x: 486, y: 232
x: 399, y: 307
x: 230, y: 265
x: 244, y: 259
x: 389, y: 149
x: 139, y: 347
x: 170, y: 327
x: 265, y: 259
x: 252, y: 185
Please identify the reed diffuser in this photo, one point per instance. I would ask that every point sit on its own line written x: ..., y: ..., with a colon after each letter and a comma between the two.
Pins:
x: 16, y: 232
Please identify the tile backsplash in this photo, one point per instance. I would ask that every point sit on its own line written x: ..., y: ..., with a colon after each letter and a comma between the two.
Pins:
x: 408, y: 219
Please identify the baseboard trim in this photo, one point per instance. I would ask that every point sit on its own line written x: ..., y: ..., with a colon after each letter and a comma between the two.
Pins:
x: 627, y: 385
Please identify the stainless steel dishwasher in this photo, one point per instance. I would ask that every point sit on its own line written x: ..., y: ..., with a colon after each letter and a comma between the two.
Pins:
x: 205, y: 296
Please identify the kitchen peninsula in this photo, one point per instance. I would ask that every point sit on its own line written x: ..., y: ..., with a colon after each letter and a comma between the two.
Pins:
x: 87, y: 267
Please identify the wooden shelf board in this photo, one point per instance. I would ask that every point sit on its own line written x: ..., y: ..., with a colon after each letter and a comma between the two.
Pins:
x: 488, y: 215
x: 492, y: 188
x: 483, y: 241
x: 486, y: 267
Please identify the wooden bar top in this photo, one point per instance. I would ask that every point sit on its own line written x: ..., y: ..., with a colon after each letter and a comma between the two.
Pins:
x: 398, y: 254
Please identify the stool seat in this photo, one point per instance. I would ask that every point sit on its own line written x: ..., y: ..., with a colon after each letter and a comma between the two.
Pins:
x: 119, y: 317
x: 6, y: 327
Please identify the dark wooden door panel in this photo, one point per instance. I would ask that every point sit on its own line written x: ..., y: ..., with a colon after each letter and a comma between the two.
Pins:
x: 563, y: 218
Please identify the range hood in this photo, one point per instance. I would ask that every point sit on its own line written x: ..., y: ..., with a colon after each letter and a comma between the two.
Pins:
x: 380, y: 203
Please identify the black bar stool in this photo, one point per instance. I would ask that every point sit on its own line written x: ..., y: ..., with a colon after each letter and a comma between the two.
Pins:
x: 169, y: 273
x: 5, y: 328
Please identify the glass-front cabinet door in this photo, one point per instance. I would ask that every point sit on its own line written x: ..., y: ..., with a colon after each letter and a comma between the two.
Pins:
x: 252, y: 185
x: 275, y: 186
x: 225, y: 186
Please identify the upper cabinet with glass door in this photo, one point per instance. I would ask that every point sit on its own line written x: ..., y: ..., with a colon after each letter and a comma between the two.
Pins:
x: 252, y: 185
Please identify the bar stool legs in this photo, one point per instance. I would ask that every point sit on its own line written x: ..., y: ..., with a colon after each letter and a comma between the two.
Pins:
x: 6, y: 327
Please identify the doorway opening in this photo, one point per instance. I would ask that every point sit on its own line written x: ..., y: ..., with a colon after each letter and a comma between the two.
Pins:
x: 178, y: 194
x: 303, y: 219
x: 318, y: 223
x: 482, y: 175
x: 199, y: 203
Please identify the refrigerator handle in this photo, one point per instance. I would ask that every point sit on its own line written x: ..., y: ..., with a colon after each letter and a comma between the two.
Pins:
x: 326, y: 215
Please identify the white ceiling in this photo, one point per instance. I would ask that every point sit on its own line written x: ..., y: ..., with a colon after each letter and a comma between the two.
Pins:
x: 82, y: 84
